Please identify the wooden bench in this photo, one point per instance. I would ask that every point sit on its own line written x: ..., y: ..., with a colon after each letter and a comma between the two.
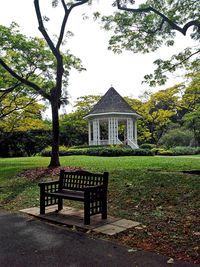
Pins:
x: 89, y: 188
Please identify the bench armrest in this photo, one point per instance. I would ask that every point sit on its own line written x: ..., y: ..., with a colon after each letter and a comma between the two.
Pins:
x: 95, y: 193
x: 49, y: 187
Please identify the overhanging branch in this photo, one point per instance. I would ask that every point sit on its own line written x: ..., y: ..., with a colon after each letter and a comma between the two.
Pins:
x: 67, y: 13
x: 24, y: 81
x: 172, y: 24
x: 8, y: 90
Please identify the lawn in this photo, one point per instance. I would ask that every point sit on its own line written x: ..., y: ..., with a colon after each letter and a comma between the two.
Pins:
x: 151, y: 190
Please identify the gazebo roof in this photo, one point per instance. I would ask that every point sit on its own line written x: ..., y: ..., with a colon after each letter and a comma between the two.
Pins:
x: 112, y: 103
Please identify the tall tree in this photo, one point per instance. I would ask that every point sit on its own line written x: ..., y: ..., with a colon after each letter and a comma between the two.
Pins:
x: 50, y: 89
x: 148, y: 26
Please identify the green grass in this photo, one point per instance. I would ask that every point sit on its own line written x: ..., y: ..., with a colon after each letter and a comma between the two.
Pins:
x: 19, y: 192
x: 152, y: 190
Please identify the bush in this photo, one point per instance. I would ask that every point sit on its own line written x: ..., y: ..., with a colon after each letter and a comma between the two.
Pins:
x: 147, y: 146
x: 163, y: 152
x: 108, y: 151
x: 176, y: 151
x: 177, y: 137
x: 182, y: 150
x: 22, y: 144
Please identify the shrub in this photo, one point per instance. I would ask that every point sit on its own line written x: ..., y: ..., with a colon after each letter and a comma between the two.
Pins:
x: 177, y: 137
x: 163, y: 152
x: 147, y: 146
x: 15, y: 144
x: 108, y: 151
x: 157, y: 150
x: 182, y: 150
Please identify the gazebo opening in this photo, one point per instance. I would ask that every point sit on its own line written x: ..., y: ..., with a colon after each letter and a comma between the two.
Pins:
x: 112, y: 121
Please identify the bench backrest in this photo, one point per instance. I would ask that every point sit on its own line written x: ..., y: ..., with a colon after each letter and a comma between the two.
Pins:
x: 78, y: 180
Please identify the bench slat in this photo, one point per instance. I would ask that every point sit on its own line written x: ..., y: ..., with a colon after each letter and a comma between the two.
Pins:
x: 68, y: 194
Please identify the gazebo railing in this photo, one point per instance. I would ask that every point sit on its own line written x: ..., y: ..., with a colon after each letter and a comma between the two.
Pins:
x: 132, y: 143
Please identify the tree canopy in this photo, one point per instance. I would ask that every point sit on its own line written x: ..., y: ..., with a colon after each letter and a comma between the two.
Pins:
x: 151, y: 24
x: 39, y: 64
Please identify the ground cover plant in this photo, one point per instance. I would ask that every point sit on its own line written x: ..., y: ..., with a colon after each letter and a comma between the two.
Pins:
x: 152, y: 190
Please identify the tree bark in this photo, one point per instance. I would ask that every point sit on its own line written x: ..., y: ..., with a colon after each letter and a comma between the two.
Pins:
x: 55, y: 134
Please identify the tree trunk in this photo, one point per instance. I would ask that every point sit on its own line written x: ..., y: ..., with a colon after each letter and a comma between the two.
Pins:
x: 55, y: 134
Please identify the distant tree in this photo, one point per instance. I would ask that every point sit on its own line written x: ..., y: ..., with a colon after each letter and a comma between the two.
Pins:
x: 192, y: 122
x: 157, y: 112
x: 23, y: 114
x: 190, y: 105
x: 74, y: 129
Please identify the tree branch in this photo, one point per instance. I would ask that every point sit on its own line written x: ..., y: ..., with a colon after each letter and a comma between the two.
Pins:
x: 182, y: 61
x: 42, y: 29
x: 67, y: 13
x: 8, y: 90
x: 16, y: 107
x: 24, y: 81
x: 172, y: 24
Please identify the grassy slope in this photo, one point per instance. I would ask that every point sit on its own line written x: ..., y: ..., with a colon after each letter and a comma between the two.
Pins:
x: 151, y: 190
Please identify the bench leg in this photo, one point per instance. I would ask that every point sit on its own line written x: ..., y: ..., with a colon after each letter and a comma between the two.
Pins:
x: 86, y: 219
x: 60, y: 203
x: 86, y: 212
x: 42, y: 209
x: 42, y: 201
x: 104, y: 209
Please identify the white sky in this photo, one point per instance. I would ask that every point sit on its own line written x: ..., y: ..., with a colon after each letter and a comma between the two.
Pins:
x: 124, y: 72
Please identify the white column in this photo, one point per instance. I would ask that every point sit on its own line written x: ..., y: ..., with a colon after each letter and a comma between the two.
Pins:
x: 96, y: 132
x: 109, y: 131
x: 135, y: 131
x: 112, y: 131
x: 89, y: 133
x: 129, y: 129
x: 115, y: 130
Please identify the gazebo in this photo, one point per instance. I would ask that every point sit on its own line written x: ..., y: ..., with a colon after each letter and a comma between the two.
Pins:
x: 112, y: 121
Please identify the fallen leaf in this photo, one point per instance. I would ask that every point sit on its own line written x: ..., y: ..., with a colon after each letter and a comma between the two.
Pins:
x: 170, y: 261
x: 132, y: 250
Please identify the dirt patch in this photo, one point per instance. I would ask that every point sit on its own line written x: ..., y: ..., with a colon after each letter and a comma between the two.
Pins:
x: 38, y: 173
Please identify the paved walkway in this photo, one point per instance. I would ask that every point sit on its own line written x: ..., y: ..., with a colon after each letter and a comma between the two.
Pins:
x: 26, y: 242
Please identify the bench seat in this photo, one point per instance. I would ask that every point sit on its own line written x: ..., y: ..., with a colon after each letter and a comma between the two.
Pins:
x: 68, y: 194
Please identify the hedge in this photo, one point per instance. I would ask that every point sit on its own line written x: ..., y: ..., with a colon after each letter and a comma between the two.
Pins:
x: 99, y: 151
x: 176, y: 151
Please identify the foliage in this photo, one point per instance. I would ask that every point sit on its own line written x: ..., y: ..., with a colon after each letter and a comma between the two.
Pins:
x: 176, y: 151
x: 191, y: 105
x: 73, y: 126
x: 84, y: 104
x: 152, y: 24
x: 147, y: 146
x: 40, y: 65
x: 181, y: 150
x: 24, y: 143
x: 27, y: 116
x: 157, y: 111
x: 107, y: 151
x: 177, y: 137
x: 165, y: 152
